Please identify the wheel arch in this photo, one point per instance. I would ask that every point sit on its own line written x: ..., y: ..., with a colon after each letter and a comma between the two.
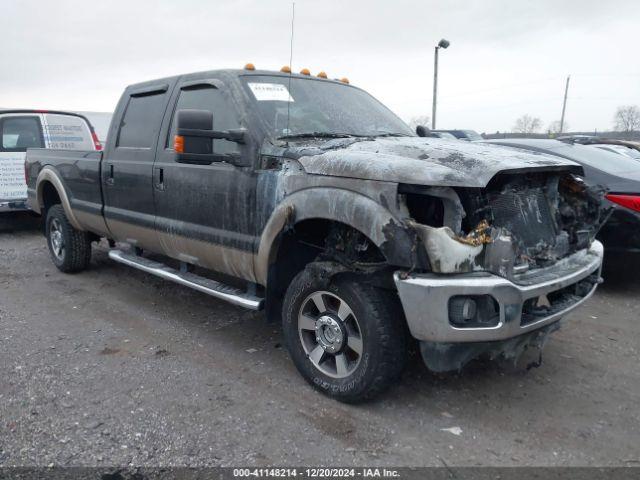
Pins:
x: 375, y: 222
x: 48, y: 182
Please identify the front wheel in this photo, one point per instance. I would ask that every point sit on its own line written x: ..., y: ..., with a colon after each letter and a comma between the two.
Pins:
x: 70, y: 249
x: 347, y: 339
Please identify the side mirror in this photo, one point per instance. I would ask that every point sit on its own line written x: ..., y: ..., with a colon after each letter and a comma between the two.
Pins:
x: 193, y: 143
x: 422, y: 131
x: 194, y: 120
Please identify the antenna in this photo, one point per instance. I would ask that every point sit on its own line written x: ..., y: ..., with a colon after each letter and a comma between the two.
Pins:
x: 293, y: 17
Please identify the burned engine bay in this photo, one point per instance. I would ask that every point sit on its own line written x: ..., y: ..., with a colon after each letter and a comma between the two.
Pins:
x: 518, y: 222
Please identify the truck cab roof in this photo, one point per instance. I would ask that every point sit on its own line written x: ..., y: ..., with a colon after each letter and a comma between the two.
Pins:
x: 234, y: 72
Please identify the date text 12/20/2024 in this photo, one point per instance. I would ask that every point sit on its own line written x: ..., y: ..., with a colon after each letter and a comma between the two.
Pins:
x: 315, y: 473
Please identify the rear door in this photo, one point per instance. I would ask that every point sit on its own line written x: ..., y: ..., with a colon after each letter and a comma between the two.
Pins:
x: 17, y: 133
x: 127, y: 169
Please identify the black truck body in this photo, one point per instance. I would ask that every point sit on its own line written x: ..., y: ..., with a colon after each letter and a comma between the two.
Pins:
x: 473, y: 248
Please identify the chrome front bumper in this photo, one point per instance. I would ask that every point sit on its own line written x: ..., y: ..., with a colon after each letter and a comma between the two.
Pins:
x: 425, y: 298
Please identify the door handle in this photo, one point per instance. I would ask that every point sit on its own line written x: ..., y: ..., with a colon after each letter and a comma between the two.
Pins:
x: 109, y: 180
x: 158, y: 174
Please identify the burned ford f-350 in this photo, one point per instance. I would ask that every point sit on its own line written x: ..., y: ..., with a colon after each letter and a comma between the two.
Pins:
x: 307, y: 197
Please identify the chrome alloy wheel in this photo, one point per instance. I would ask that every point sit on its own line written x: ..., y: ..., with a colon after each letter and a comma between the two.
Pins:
x: 56, y: 239
x: 330, y: 334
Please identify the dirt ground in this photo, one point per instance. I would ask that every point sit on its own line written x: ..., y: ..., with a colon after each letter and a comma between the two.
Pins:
x: 116, y: 367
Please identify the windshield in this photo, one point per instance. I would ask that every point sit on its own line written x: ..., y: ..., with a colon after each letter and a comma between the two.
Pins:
x: 319, y: 108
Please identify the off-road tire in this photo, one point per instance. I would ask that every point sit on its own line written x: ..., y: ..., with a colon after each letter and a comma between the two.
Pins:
x: 76, y: 253
x: 384, y: 336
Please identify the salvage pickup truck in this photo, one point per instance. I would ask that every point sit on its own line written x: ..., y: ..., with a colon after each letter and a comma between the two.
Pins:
x: 308, y: 198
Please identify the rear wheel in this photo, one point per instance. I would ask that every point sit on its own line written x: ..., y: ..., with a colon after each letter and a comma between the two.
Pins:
x: 70, y: 249
x: 347, y: 338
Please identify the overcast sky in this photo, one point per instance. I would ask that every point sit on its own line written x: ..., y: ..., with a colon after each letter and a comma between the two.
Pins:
x: 506, y: 58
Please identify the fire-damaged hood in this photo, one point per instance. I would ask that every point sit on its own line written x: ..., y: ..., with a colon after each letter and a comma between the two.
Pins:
x: 420, y: 161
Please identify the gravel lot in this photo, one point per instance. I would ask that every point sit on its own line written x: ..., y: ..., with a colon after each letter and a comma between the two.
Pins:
x: 115, y: 367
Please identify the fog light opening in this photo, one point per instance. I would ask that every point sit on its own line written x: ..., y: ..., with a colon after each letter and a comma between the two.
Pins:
x: 473, y: 311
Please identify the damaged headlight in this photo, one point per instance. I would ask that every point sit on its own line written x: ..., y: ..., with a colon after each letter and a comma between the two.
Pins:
x: 450, y: 253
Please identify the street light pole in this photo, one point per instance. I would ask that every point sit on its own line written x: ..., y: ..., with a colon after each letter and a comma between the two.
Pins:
x: 564, y: 104
x: 441, y: 44
x: 435, y: 88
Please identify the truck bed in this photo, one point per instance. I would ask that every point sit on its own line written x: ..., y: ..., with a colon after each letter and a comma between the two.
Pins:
x: 80, y: 172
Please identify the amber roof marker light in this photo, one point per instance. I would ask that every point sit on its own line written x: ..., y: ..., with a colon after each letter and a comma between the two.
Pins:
x: 305, y: 71
x: 344, y: 80
x: 321, y: 75
x: 249, y: 66
x: 286, y: 69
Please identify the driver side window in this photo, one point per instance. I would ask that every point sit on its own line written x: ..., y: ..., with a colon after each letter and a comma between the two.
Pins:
x: 207, y: 97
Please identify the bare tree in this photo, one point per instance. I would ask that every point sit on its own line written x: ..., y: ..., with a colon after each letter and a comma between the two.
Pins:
x: 627, y: 118
x: 420, y: 120
x: 554, y: 127
x: 527, y: 124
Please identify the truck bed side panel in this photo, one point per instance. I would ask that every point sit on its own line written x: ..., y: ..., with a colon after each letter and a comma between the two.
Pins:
x: 80, y: 173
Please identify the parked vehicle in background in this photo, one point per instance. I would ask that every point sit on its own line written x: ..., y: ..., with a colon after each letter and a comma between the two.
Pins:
x: 425, y: 132
x: 446, y: 135
x: 620, y: 174
x: 467, y: 135
x: 581, y: 139
x: 330, y: 213
x: 617, y: 145
x: 22, y: 129
x: 619, y: 149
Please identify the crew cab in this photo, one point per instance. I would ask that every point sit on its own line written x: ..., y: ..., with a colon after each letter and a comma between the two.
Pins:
x: 22, y: 129
x: 308, y: 198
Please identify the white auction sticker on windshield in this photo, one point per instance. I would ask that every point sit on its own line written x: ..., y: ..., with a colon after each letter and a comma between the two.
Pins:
x: 270, y: 92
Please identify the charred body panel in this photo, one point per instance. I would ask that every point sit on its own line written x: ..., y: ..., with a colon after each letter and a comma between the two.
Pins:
x: 453, y: 173
x: 422, y: 161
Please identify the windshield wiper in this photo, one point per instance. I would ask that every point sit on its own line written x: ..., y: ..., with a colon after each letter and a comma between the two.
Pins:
x: 317, y: 135
x: 390, y: 134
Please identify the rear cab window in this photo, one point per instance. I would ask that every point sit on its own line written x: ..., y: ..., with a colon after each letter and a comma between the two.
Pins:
x: 17, y: 133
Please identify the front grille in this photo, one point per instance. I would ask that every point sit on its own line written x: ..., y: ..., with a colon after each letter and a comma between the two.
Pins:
x: 534, y: 309
x: 526, y: 214
x: 522, y: 207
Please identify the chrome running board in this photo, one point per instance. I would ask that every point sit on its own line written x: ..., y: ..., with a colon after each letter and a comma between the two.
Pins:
x: 210, y: 287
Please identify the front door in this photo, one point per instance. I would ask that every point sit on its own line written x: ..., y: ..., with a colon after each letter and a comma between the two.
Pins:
x: 127, y: 172
x: 205, y: 213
